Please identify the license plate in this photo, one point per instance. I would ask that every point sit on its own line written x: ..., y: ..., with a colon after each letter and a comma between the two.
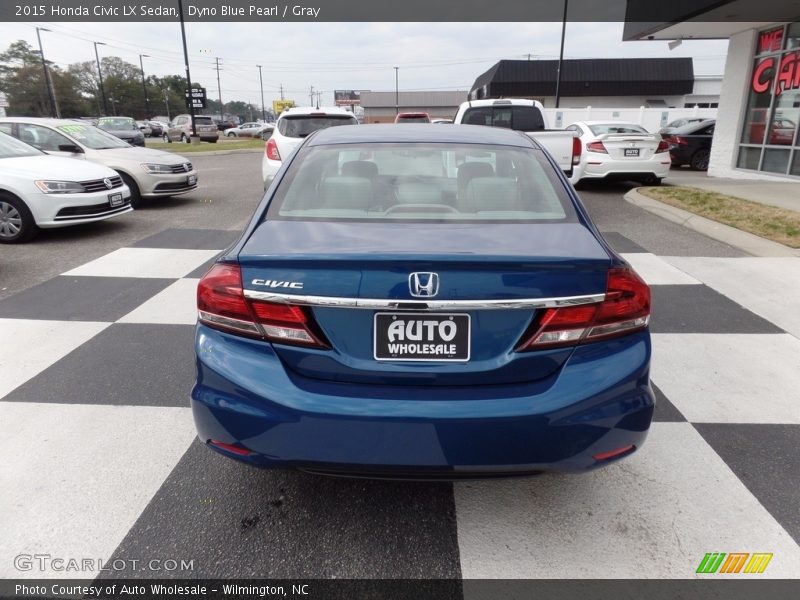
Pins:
x: 115, y: 200
x: 421, y: 337
x: 631, y: 152
x: 191, y: 179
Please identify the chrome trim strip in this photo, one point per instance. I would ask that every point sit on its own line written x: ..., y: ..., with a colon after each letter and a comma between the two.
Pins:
x: 377, y: 304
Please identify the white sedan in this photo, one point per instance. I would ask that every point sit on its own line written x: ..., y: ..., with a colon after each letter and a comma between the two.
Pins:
x: 41, y: 191
x: 620, y: 150
x: 147, y: 172
x: 253, y: 130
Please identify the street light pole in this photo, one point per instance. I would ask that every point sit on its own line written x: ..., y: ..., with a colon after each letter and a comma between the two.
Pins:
x: 561, y: 56
x: 261, y: 81
x: 48, y: 82
x: 144, y: 87
x: 186, y: 61
x: 397, y: 90
x: 100, y: 75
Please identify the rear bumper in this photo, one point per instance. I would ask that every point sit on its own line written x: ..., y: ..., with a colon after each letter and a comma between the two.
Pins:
x: 599, y: 401
x: 657, y: 166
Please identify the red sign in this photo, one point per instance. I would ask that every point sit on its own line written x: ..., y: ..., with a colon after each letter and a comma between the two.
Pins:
x: 770, y: 41
x: 788, y: 74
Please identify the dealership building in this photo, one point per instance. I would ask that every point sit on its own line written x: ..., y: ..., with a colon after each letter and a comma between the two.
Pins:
x: 756, y: 135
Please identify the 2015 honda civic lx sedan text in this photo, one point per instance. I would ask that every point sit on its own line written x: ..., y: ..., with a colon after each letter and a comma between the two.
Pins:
x: 414, y: 302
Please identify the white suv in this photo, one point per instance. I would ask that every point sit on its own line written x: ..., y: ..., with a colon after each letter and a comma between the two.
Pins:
x: 293, y: 125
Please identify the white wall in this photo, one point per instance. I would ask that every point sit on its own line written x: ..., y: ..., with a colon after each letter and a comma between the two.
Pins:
x: 651, y: 119
x: 731, y: 111
x: 610, y: 101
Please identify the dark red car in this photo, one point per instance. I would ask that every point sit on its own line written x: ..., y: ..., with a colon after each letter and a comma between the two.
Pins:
x: 413, y: 117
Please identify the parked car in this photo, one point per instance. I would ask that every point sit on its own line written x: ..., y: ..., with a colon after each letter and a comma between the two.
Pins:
x: 156, y: 129
x: 620, y: 150
x: 691, y: 144
x: 145, y: 128
x: 442, y: 121
x: 224, y: 125
x: 781, y: 133
x: 292, y: 126
x: 251, y: 130
x: 416, y: 301
x: 180, y: 130
x: 124, y: 128
x: 527, y: 116
x: 38, y: 191
x: 673, y: 125
x: 147, y: 172
x: 412, y: 117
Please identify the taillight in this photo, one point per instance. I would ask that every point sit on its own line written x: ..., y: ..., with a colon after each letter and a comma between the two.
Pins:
x: 625, y: 309
x: 676, y: 139
x: 221, y: 304
x: 271, y: 150
x: 596, y: 147
x: 576, y: 150
x: 663, y: 146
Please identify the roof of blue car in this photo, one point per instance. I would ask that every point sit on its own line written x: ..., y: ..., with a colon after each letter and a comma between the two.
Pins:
x: 421, y: 133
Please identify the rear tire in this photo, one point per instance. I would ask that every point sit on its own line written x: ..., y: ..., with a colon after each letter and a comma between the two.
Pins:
x: 17, y: 224
x: 165, y: 137
x: 136, y: 196
x: 699, y: 160
x: 231, y: 134
x: 185, y: 139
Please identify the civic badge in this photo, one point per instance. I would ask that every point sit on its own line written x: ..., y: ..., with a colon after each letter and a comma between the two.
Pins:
x: 423, y: 285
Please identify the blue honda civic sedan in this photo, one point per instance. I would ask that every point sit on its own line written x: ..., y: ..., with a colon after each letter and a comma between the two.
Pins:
x: 416, y: 301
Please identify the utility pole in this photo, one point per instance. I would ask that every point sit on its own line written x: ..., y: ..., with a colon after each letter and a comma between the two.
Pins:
x: 188, y: 75
x: 397, y: 90
x: 48, y: 82
x: 166, y: 104
x: 319, y: 98
x: 282, y: 92
x: 144, y: 87
x: 100, y: 76
x: 261, y: 81
x: 311, y: 96
x: 561, y: 56
x: 219, y: 91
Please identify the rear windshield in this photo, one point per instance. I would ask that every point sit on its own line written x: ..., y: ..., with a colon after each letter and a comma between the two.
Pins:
x: 420, y: 183
x: 614, y: 128
x: 413, y: 120
x: 203, y: 121
x: 304, y: 125
x: 694, y: 128
x: 519, y: 118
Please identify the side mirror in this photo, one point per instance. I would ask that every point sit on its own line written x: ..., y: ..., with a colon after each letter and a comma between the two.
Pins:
x: 73, y: 148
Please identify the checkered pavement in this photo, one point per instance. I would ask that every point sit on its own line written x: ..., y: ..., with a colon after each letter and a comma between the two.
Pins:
x: 100, y: 457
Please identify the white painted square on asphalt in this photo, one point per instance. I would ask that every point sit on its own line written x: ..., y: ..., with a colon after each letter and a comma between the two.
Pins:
x: 729, y: 378
x: 145, y: 262
x: 769, y: 286
x: 653, y: 515
x: 176, y: 304
x: 30, y: 346
x: 76, y: 477
x: 656, y: 271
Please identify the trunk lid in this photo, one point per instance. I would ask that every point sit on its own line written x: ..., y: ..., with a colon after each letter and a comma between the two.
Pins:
x: 630, y: 146
x: 474, y: 262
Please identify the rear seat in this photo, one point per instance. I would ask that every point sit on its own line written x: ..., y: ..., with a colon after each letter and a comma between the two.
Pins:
x: 490, y: 194
x: 346, y: 193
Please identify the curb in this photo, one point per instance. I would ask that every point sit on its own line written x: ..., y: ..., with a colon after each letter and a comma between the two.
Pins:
x: 747, y: 242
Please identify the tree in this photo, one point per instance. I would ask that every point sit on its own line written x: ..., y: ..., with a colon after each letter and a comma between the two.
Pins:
x: 22, y: 79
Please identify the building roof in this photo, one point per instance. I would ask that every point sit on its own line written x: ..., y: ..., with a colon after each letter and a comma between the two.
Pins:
x: 589, y: 77
x: 419, y: 99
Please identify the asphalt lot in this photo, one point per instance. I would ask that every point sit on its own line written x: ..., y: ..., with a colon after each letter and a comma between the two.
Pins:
x: 101, y: 460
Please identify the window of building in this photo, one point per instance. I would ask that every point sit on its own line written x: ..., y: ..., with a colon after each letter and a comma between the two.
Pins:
x: 769, y: 139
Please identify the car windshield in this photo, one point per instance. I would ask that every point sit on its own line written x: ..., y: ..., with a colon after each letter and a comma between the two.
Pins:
x: 304, y: 125
x: 615, y: 128
x: 92, y: 137
x: 11, y: 147
x: 117, y: 124
x: 420, y: 182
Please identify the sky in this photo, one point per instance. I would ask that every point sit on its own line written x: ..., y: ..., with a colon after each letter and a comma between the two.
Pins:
x: 342, y: 56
